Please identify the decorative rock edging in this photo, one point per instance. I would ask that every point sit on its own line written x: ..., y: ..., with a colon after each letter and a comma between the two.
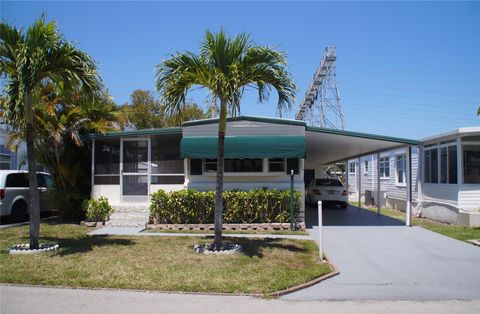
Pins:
x: 230, y: 248
x: 233, y: 227
x: 25, y: 248
x: 92, y: 223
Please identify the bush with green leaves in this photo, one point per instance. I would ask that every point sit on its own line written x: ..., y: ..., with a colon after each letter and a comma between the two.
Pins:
x: 192, y: 206
x: 97, y: 209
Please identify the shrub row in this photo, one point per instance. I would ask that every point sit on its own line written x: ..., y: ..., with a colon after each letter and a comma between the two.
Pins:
x: 191, y: 206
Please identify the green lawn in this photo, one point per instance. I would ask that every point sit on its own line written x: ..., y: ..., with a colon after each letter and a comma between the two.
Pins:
x: 157, y: 263
x: 279, y: 232
x: 453, y: 231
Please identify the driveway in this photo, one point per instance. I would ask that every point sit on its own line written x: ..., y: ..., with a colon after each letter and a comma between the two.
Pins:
x: 379, y: 258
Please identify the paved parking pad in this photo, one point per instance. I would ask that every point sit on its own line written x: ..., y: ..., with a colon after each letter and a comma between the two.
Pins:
x: 386, y: 260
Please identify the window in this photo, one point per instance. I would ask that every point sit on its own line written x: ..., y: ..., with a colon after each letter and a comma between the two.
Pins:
x: 365, y: 167
x: 17, y: 180
x: 385, y: 167
x: 440, y: 165
x: 107, y: 161
x: 431, y: 165
x: 471, y: 163
x: 235, y: 165
x: 400, y: 171
x: 352, y: 167
x: 5, y: 160
x: 276, y: 165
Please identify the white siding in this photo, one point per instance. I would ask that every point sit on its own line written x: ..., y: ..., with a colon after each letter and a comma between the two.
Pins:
x: 441, y: 193
x: 239, y: 128
x: 469, y: 197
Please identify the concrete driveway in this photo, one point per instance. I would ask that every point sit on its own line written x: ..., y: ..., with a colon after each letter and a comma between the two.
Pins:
x: 379, y: 258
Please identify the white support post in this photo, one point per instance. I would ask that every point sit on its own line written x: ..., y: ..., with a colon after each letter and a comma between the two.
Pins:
x: 378, y: 183
x: 359, y: 179
x: 347, y: 174
x: 408, y: 211
x: 320, y: 231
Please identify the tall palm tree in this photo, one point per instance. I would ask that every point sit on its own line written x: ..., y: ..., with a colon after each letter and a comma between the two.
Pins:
x: 30, y: 58
x: 225, y: 66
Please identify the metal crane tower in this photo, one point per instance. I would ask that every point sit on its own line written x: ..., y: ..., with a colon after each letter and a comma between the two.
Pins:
x: 321, y: 106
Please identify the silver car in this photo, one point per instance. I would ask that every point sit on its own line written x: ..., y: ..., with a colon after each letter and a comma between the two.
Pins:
x: 14, y: 193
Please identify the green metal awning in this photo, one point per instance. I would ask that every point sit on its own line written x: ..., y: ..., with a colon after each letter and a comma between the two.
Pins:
x: 244, y: 147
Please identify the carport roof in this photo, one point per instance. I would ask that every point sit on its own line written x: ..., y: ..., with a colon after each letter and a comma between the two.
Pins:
x: 329, y: 146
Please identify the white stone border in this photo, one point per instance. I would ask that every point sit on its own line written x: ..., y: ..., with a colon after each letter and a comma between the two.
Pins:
x: 230, y: 249
x: 25, y: 248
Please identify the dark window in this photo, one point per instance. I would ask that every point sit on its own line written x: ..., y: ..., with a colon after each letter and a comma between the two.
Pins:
x: 328, y: 182
x: 443, y: 165
x: 236, y: 165
x: 41, y: 181
x: 292, y: 164
x: 276, y: 165
x: 452, y: 164
x: 426, y: 166
x: 17, y: 180
x: 5, y: 160
x: 135, y: 156
x: 196, y: 167
x: 243, y: 165
x: 471, y: 163
x: 434, y: 165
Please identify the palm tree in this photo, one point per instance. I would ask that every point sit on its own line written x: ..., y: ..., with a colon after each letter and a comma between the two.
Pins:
x: 28, y: 59
x: 225, y: 66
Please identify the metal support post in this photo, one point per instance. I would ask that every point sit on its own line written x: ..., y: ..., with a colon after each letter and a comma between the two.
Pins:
x: 291, y: 199
x: 359, y: 178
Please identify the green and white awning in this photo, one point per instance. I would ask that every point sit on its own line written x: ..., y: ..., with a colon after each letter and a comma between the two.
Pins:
x: 244, y: 147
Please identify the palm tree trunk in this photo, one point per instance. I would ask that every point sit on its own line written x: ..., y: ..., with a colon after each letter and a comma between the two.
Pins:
x: 218, y: 219
x: 34, y: 199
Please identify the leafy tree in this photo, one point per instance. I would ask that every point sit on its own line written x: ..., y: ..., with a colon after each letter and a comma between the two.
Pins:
x: 145, y: 112
x: 30, y: 58
x: 225, y: 66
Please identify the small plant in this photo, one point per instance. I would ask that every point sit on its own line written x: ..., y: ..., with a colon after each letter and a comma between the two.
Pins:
x: 97, y: 210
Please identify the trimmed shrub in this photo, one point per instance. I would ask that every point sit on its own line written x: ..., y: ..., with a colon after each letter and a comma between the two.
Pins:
x: 97, y: 210
x: 191, y: 206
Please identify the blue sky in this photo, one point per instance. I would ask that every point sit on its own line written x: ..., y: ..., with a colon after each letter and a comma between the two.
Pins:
x: 408, y: 69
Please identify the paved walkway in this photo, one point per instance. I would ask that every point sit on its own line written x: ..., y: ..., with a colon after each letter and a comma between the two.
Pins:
x: 19, y: 300
x: 379, y: 258
x: 137, y: 231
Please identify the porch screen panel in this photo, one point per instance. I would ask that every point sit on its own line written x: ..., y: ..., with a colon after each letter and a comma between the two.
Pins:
x: 107, y: 161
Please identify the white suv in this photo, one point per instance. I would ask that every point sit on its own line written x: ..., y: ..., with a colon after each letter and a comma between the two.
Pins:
x: 14, y: 193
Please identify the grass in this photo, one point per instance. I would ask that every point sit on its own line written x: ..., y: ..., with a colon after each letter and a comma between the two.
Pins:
x: 279, y: 232
x: 462, y: 233
x: 157, y: 263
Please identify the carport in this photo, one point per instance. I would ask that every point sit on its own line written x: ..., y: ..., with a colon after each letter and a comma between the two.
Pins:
x: 328, y: 146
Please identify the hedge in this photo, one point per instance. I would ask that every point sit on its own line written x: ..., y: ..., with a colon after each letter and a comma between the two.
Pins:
x: 192, y: 206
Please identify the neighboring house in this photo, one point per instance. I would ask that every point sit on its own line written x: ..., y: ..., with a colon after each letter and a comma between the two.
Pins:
x: 129, y: 166
x: 10, y: 159
x: 445, y: 177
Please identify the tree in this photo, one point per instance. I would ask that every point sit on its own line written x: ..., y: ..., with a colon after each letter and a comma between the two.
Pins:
x: 145, y: 112
x: 30, y: 58
x: 225, y: 66
x: 61, y: 122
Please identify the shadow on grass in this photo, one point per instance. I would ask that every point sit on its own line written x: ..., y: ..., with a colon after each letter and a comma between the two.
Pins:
x: 84, y: 244
x: 255, y: 247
